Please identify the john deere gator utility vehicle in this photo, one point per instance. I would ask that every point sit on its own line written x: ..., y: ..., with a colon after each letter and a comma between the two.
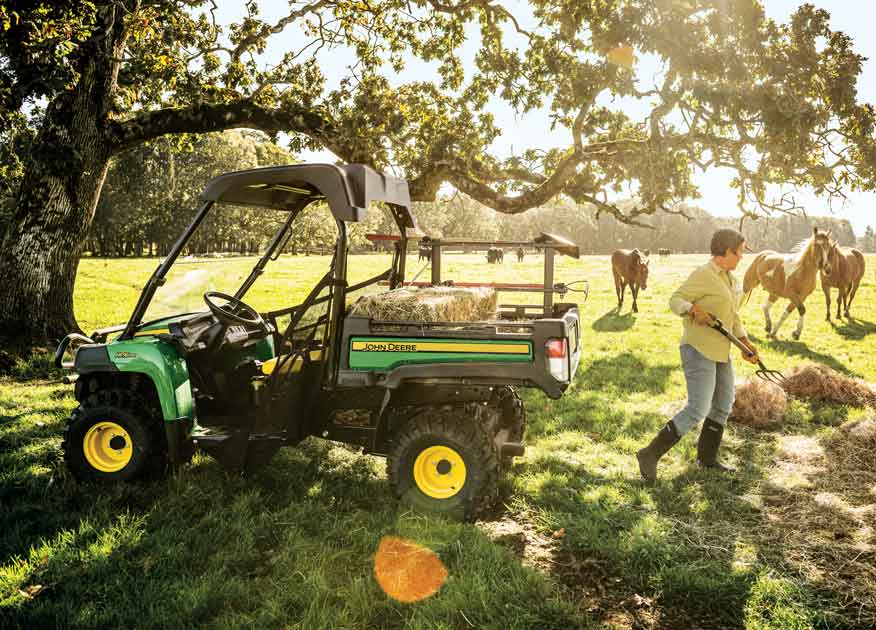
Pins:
x: 437, y: 399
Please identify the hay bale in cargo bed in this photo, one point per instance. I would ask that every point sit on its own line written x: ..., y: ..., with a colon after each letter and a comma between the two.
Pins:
x: 430, y: 304
x: 813, y: 381
x: 759, y: 404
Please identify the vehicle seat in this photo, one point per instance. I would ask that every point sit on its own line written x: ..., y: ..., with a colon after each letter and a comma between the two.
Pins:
x: 289, y: 365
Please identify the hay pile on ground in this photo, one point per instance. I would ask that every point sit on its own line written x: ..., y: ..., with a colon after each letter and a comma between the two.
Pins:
x: 813, y: 381
x: 430, y: 304
x: 759, y: 404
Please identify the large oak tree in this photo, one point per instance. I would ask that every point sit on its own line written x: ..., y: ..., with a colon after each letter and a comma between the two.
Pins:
x: 83, y: 81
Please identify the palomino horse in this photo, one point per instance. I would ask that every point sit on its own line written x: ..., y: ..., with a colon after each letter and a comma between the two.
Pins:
x: 846, y: 271
x: 629, y: 268
x: 791, y: 277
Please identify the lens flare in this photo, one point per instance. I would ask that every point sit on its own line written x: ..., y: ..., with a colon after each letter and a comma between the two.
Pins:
x: 406, y: 571
x: 622, y: 56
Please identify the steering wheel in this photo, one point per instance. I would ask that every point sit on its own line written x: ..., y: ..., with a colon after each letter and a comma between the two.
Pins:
x: 234, y: 311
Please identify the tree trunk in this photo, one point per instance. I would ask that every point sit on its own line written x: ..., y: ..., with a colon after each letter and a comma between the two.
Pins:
x: 58, y: 196
x: 66, y: 168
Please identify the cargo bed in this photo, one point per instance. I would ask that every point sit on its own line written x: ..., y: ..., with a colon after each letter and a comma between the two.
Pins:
x: 542, y: 353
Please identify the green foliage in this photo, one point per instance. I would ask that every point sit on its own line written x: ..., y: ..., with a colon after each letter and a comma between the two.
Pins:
x: 776, y: 102
x: 42, y: 45
x: 152, y: 190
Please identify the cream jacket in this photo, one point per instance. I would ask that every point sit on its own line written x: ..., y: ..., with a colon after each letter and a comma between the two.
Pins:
x: 716, y: 291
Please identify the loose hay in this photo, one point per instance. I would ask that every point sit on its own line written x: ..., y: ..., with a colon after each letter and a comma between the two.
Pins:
x: 431, y: 304
x: 820, y: 511
x: 759, y: 404
x: 813, y: 381
x: 853, y: 446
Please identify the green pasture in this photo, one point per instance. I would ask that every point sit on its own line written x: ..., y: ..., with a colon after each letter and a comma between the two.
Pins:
x: 580, y: 541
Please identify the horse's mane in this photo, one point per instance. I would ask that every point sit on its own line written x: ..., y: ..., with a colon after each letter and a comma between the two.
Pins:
x: 802, y: 248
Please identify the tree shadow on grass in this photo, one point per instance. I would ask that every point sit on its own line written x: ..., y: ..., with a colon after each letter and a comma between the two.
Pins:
x: 15, y: 439
x: 854, y: 328
x: 800, y: 349
x: 589, y: 412
x: 709, y: 517
x: 613, y: 321
x: 626, y: 373
x: 223, y: 549
x: 609, y: 517
x: 818, y: 510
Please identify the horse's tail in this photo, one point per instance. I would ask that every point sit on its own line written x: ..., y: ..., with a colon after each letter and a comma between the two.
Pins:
x: 861, y: 264
x: 751, y: 280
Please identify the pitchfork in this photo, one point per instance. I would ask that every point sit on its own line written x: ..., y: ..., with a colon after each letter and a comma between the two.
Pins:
x: 773, y: 376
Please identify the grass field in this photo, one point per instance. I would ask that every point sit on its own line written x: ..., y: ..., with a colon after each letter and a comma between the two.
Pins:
x: 580, y: 542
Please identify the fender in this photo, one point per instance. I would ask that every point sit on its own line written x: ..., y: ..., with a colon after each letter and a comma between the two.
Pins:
x: 164, y: 366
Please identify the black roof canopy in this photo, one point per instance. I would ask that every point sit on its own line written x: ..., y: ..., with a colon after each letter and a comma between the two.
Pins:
x: 348, y: 190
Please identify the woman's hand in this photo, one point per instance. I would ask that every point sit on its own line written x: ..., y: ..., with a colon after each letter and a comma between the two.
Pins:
x: 751, y: 356
x: 701, y: 316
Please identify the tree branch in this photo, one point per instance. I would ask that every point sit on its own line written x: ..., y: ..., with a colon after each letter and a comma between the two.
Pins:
x: 266, y: 31
x: 203, y: 118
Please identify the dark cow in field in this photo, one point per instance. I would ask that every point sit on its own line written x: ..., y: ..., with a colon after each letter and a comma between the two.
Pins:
x: 664, y: 251
x: 495, y: 255
x: 424, y: 253
x: 519, y: 254
x: 629, y: 268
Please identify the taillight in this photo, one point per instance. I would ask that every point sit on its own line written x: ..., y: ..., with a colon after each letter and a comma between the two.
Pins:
x: 556, y: 348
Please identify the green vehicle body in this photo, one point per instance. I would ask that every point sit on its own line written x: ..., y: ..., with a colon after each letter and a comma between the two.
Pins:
x: 158, y: 360
x: 148, y: 354
x: 164, y: 367
x: 386, y: 353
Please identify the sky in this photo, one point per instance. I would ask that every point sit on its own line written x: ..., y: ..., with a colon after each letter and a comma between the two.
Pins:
x: 854, y: 17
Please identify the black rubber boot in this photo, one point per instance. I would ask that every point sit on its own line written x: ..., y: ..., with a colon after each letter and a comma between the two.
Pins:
x: 651, y: 454
x: 707, y: 446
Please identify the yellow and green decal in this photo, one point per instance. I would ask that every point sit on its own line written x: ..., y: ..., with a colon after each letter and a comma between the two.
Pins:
x: 385, y: 353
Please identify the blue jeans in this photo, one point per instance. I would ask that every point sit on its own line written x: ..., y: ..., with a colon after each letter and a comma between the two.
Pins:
x: 710, y: 390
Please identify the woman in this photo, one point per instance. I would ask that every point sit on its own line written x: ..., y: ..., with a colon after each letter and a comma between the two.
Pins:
x: 710, y: 291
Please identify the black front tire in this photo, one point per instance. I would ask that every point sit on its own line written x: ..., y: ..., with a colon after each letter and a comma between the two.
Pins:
x: 444, y: 428
x: 132, y: 414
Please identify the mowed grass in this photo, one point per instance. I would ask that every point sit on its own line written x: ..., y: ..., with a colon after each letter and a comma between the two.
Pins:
x: 579, y: 542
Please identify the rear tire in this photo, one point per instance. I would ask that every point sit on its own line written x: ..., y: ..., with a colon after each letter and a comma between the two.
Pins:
x: 115, y: 435
x: 442, y: 461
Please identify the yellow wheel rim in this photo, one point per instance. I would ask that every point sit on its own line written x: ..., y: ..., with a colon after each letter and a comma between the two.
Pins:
x: 439, y: 472
x: 107, y: 446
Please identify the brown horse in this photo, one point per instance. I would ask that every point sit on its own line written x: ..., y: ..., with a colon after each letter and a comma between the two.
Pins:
x: 629, y: 268
x: 846, y: 271
x: 789, y: 276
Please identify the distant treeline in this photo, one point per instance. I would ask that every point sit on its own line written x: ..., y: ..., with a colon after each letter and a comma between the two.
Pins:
x: 151, y: 194
x: 667, y: 231
x: 678, y: 234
